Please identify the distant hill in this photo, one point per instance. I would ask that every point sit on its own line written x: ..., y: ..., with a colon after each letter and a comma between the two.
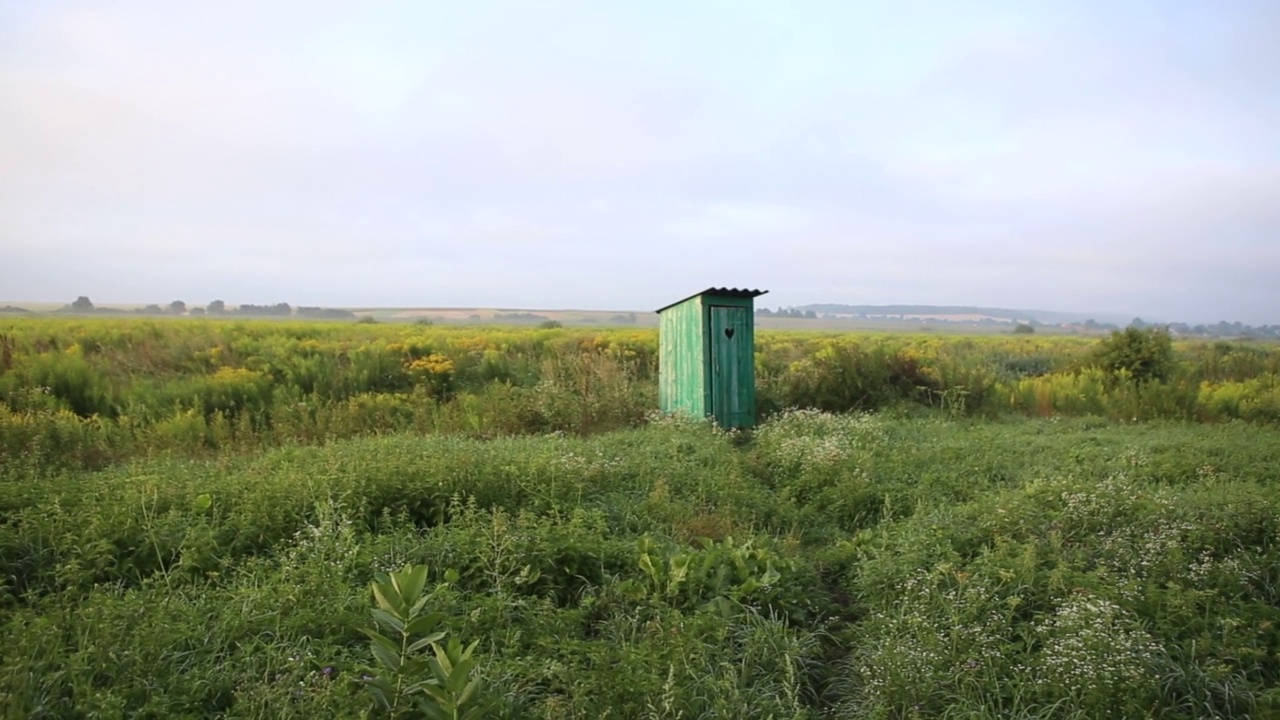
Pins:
x: 953, y: 313
x: 815, y: 316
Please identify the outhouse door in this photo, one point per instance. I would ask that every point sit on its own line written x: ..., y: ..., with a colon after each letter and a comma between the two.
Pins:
x: 732, y: 356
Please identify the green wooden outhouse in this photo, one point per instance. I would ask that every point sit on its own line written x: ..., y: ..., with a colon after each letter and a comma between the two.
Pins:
x: 706, y: 356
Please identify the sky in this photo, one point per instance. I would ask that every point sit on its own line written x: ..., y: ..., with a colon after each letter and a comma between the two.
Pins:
x: 1118, y: 157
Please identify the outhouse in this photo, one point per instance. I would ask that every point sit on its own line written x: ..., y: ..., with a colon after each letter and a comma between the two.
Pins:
x: 706, y: 356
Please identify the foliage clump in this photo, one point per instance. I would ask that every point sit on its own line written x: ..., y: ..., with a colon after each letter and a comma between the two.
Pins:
x: 1142, y: 355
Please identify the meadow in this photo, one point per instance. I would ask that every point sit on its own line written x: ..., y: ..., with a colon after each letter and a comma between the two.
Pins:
x: 273, y: 519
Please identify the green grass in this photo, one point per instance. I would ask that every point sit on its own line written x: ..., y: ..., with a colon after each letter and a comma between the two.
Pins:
x: 85, y: 393
x: 877, y: 566
x: 193, y: 514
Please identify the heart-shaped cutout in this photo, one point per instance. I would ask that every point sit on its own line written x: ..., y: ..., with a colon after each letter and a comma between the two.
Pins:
x: 728, y: 332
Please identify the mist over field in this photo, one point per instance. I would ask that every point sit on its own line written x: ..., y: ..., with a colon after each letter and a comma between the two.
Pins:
x: 1089, y: 157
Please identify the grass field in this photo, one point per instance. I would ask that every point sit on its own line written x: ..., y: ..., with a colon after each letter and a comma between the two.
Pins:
x: 192, y: 513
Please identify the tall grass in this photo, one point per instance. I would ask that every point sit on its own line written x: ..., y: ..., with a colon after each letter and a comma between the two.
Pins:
x: 142, y: 386
x: 833, y: 566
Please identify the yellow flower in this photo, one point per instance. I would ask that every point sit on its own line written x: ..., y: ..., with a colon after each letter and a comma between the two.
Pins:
x: 231, y: 375
x: 433, y: 365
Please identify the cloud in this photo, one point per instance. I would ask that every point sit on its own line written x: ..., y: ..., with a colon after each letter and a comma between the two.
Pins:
x: 739, y: 220
x: 1055, y: 154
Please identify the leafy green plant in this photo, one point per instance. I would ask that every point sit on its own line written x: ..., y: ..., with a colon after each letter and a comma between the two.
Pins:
x: 714, y: 576
x: 1142, y: 355
x: 413, y: 683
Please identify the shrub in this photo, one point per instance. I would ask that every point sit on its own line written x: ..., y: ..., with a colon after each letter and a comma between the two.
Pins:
x: 1140, y: 355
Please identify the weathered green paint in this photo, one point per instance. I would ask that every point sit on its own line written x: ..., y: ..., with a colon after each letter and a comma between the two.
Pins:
x: 706, y: 357
x: 681, y: 360
x: 732, y: 366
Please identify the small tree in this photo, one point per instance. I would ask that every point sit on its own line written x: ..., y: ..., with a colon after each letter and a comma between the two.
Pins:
x: 82, y: 305
x: 1023, y: 329
x: 177, y: 307
x: 1143, y: 354
x: 217, y: 307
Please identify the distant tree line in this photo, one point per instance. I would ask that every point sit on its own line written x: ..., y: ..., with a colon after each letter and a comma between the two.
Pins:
x: 277, y: 310
x: 83, y: 305
x: 787, y: 312
x: 1219, y: 329
x: 902, y: 311
x: 325, y: 313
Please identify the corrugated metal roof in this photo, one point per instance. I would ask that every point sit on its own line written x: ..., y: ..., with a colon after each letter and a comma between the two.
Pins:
x: 723, y: 292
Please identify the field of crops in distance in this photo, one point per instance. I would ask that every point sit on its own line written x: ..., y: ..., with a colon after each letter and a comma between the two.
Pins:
x: 216, y: 518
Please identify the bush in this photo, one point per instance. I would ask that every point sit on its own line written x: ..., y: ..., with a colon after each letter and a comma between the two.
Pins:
x: 1139, y: 355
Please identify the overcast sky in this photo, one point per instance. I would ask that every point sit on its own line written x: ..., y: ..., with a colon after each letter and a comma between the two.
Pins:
x: 1097, y: 155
